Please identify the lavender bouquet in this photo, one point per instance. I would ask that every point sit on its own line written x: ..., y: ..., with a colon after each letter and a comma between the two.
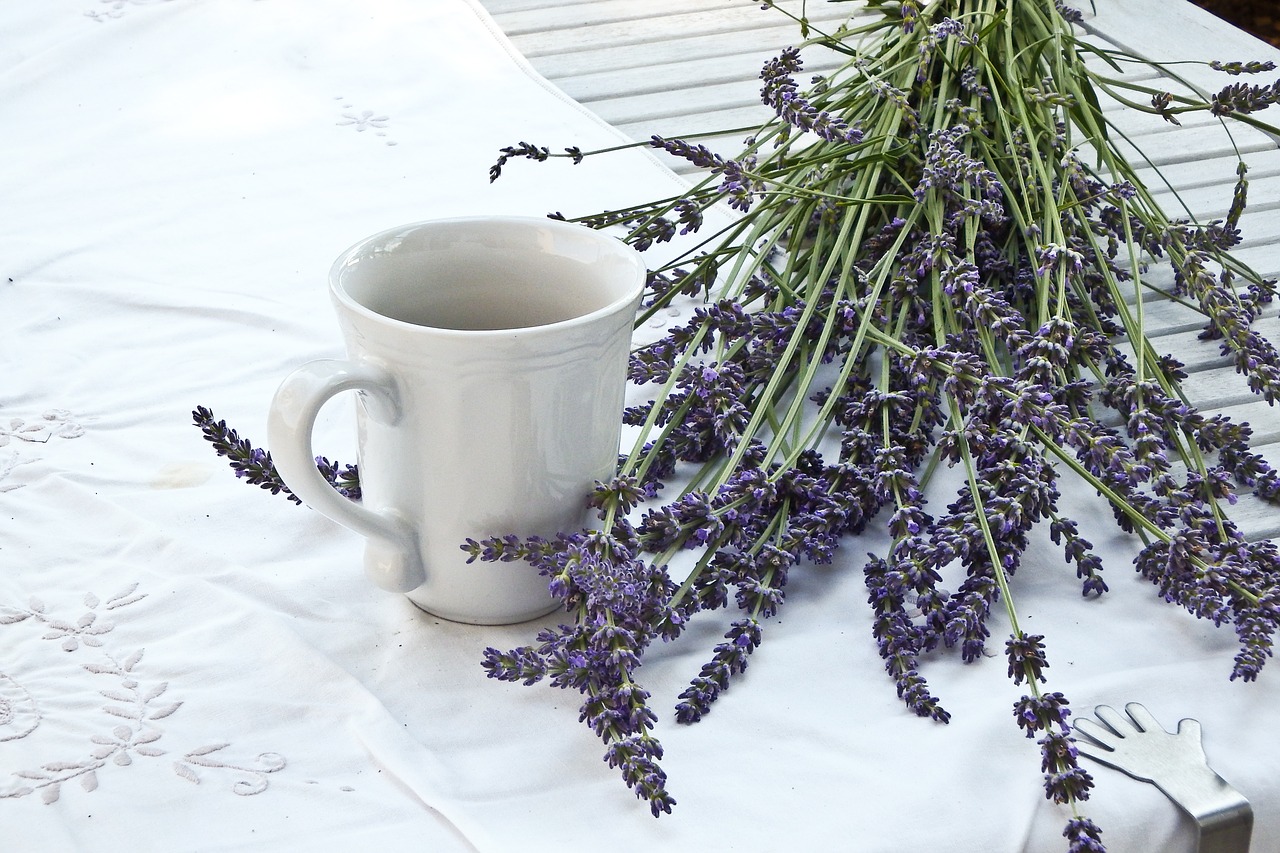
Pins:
x: 927, y: 269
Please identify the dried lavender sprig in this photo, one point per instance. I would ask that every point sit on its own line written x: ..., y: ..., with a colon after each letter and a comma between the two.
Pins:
x: 1237, y: 100
x: 617, y: 599
x: 1084, y: 835
x: 254, y: 465
x: 529, y: 151
x: 1238, y: 68
x: 1241, y: 99
x: 730, y: 659
x: 781, y: 93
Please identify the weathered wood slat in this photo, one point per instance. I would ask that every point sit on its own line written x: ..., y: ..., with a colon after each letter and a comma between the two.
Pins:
x: 567, y: 18
x: 659, y: 80
x: 1207, y: 203
x: 657, y: 28
x: 749, y: 48
x: 502, y: 8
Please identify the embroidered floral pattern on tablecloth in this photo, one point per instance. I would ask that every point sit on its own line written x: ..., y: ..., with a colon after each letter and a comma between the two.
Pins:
x: 18, y: 715
x: 118, y: 8
x: 8, y: 462
x: 362, y: 120
x: 135, y: 705
x: 52, y: 423
x: 17, y: 432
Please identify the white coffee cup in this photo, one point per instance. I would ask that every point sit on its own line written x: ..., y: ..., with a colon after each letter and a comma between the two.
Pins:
x: 490, y: 355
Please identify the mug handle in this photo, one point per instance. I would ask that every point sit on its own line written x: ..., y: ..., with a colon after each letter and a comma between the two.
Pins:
x: 392, y: 560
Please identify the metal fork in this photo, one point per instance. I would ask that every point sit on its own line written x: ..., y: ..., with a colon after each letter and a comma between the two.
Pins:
x: 1135, y: 744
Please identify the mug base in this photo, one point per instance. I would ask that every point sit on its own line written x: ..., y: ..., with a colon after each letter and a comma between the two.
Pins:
x: 504, y: 618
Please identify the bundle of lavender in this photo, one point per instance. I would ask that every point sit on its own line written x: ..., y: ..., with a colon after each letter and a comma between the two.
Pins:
x: 941, y: 257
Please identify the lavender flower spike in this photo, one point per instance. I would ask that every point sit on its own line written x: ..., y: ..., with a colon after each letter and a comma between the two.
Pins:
x: 1241, y: 99
x: 780, y: 93
x: 1084, y: 835
x: 254, y: 465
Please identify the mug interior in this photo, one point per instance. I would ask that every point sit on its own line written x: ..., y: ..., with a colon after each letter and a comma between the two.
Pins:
x: 488, y: 273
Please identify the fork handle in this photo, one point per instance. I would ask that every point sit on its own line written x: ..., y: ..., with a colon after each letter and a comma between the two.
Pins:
x: 1228, y: 829
x: 1222, y: 813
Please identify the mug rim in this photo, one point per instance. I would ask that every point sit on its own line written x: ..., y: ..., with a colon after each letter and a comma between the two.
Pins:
x: 632, y: 294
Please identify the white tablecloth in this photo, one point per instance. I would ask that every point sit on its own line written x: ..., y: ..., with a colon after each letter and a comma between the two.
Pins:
x: 187, y: 664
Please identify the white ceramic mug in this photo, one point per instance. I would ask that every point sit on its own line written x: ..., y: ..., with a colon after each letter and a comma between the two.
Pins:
x: 489, y: 354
